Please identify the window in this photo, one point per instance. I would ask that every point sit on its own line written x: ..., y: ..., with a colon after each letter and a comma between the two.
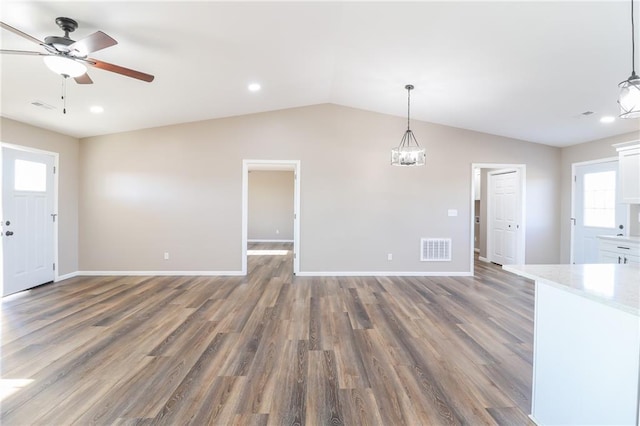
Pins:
x: 30, y: 176
x: 600, y: 199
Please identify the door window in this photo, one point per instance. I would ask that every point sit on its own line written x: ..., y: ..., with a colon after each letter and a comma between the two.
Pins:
x: 600, y: 199
x: 30, y: 176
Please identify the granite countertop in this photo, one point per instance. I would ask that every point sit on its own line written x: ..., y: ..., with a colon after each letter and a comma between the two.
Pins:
x: 614, y: 285
x: 628, y: 239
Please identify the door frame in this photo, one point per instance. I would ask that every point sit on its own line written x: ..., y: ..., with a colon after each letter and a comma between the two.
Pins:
x: 56, y: 173
x: 572, y: 218
x: 273, y: 165
x: 522, y: 168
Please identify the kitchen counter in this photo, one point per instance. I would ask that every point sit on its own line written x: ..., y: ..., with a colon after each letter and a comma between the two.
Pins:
x: 611, y: 284
x: 627, y: 239
x: 586, y: 351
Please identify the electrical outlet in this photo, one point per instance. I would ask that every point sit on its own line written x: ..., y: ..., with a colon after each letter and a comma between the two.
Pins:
x: 166, y: 255
x: 277, y: 231
x: 389, y: 256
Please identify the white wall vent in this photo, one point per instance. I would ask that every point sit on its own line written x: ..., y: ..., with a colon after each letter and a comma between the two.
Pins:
x: 435, y: 249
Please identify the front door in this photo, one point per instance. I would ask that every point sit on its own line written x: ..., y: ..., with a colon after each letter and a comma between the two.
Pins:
x: 597, y: 208
x: 27, y: 219
x: 504, y: 216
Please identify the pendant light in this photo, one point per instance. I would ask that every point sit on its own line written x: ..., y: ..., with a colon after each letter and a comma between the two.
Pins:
x: 629, y: 99
x: 409, y: 152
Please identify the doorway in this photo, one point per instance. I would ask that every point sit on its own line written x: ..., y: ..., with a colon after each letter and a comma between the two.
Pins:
x: 496, y: 204
x: 28, y: 218
x: 596, y: 208
x: 275, y: 231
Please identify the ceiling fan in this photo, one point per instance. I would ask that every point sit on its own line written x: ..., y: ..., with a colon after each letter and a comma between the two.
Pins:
x: 69, y: 58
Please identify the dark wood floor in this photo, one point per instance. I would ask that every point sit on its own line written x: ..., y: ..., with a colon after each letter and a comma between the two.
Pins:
x: 269, y: 349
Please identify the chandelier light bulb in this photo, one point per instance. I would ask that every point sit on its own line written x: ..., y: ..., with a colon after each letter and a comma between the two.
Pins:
x: 629, y: 99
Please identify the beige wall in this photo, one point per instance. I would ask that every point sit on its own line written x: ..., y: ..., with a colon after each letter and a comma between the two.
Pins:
x: 270, y: 205
x: 594, y: 150
x: 14, y: 132
x: 177, y: 189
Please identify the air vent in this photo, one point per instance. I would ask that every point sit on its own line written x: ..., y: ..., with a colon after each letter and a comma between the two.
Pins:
x: 41, y: 104
x: 435, y: 249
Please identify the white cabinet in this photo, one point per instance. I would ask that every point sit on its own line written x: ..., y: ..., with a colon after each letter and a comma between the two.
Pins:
x: 585, y: 361
x: 629, y: 165
x: 619, y: 250
x: 586, y: 348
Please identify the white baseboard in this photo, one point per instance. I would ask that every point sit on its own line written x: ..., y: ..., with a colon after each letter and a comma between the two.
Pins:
x: 484, y: 259
x: 66, y: 276
x: 161, y: 273
x: 383, y: 274
x: 269, y: 241
x: 240, y: 273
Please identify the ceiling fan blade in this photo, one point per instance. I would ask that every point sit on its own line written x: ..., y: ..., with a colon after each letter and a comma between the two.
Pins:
x: 120, y: 70
x: 83, y: 79
x: 22, y: 52
x: 93, y: 43
x: 20, y: 33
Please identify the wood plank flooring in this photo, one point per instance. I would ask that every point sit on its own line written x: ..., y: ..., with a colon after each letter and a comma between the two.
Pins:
x: 269, y: 349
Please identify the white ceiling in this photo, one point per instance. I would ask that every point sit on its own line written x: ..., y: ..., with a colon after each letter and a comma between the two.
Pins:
x: 525, y: 70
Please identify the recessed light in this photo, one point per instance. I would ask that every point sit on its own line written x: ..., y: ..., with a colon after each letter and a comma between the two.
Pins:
x: 607, y: 119
x: 253, y: 87
x: 96, y: 109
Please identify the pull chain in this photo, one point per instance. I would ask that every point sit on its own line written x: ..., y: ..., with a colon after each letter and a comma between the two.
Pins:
x: 64, y: 94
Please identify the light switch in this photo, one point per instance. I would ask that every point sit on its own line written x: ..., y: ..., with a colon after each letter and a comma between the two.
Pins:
x: 453, y: 212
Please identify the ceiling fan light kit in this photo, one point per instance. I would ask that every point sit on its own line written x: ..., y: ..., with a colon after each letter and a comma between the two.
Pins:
x: 629, y: 99
x: 409, y: 152
x: 64, y: 66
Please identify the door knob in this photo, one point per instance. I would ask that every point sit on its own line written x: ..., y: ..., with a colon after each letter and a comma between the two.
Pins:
x: 8, y: 233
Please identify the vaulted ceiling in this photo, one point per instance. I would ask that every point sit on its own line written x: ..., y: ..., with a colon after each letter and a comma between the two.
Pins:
x: 526, y: 70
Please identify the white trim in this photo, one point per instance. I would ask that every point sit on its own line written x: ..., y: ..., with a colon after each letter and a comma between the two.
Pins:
x: 522, y: 169
x: 271, y: 165
x: 385, y: 274
x: 270, y: 241
x: 472, y: 216
x: 573, y: 198
x: 240, y: 273
x: 476, y: 250
x: 66, y: 276
x: 56, y: 165
x: 483, y: 259
x: 160, y: 273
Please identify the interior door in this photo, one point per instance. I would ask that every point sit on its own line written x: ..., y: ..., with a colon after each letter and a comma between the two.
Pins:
x: 504, y: 205
x: 597, y: 208
x: 27, y: 219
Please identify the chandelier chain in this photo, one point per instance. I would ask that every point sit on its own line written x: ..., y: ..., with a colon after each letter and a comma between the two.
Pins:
x: 633, y: 43
x: 408, y: 107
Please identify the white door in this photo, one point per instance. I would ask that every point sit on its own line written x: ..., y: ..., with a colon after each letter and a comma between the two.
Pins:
x: 597, y: 208
x: 503, y: 216
x: 27, y: 219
